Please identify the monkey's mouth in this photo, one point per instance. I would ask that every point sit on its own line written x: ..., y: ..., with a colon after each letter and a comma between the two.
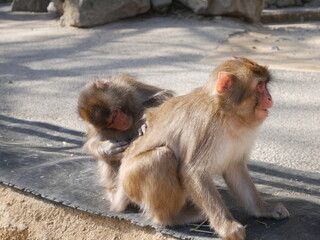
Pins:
x: 262, y: 109
x: 261, y: 113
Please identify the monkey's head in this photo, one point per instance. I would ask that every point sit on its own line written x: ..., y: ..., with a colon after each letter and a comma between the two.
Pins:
x: 241, y: 86
x: 105, y: 106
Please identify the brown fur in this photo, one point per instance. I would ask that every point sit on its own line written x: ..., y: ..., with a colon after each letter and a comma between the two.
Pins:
x: 96, y: 105
x: 190, y: 138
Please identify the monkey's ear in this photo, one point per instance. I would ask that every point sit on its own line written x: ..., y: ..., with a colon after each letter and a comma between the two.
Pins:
x: 224, y: 82
x: 102, y: 84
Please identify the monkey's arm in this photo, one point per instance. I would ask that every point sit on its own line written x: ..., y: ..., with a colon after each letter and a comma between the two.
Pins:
x: 158, y: 98
x: 106, y: 150
x: 206, y: 196
x: 154, y: 101
x: 240, y: 183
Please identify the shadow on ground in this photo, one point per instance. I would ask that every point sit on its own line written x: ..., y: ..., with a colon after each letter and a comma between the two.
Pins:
x: 47, y: 160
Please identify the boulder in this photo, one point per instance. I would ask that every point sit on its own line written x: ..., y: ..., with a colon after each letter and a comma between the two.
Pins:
x: 161, y: 5
x: 88, y: 13
x: 58, y: 5
x: 248, y: 9
x: 286, y: 3
x: 30, y: 5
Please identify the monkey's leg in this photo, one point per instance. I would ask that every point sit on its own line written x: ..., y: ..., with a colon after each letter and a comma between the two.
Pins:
x: 150, y: 180
x: 120, y: 200
x: 206, y: 196
x: 240, y: 183
x: 189, y: 214
x: 108, y: 172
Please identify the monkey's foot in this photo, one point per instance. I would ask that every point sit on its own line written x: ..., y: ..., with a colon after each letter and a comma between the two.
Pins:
x: 274, y: 210
x: 118, y: 207
x: 233, y: 231
x: 120, y: 202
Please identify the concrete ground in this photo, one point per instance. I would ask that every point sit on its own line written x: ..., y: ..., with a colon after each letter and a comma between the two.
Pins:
x: 43, y: 67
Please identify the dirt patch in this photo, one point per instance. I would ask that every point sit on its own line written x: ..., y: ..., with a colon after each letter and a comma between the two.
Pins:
x: 282, y: 46
x: 26, y: 217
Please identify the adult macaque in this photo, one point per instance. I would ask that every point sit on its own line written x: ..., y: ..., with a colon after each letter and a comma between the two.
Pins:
x: 190, y: 138
x: 113, y: 108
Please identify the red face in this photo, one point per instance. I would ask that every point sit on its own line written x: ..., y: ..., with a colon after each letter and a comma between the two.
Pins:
x: 265, y: 101
x: 102, y: 118
x: 120, y: 121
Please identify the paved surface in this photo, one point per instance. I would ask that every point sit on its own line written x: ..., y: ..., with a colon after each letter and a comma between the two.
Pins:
x: 47, y: 160
x: 43, y: 67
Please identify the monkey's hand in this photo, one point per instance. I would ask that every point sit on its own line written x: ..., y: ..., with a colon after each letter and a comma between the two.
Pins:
x: 273, y: 210
x: 112, y: 149
x: 142, y: 130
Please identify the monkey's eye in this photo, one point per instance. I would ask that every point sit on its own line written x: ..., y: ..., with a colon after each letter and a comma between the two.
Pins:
x: 98, y: 114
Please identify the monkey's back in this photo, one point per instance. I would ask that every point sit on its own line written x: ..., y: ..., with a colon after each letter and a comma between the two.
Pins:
x: 177, y: 123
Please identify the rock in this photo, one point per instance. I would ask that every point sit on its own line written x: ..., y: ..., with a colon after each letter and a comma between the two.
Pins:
x: 285, y: 3
x: 312, y: 3
x: 58, y: 5
x: 30, y: 5
x: 51, y: 8
x: 249, y: 9
x: 161, y: 5
x: 270, y: 2
x: 88, y: 13
x: 275, y: 48
x: 198, y: 6
x: 299, y: 3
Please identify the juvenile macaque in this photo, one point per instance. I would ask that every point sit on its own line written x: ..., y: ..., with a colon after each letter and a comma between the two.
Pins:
x: 113, y: 108
x: 190, y: 139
